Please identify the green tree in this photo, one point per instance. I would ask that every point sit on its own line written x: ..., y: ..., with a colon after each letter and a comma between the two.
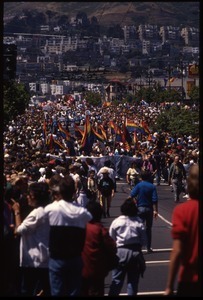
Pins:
x: 93, y: 99
x: 177, y: 121
x: 15, y: 100
x: 194, y: 94
x: 170, y: 95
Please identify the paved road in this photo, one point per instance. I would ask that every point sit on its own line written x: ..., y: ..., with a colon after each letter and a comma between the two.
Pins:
x: 155, y: 276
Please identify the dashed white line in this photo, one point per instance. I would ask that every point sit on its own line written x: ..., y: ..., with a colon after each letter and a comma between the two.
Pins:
x: 143, y: 293
x: 159, y: 250
x: 157, y: 262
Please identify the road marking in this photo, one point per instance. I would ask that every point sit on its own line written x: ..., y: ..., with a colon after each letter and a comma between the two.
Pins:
x: 156, y: 262
x: 159, y: 250
x: 143, y: 293
x: 151, y: 293
x: 163, y: 219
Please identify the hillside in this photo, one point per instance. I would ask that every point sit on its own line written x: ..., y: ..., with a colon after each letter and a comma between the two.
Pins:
x: 112, y: 13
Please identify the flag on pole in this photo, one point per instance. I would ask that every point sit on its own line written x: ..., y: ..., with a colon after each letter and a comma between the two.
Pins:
x: 106, y: 104
x: 64, y: 132
x: 102, y: 131
x: 88, y: 137
x: 78, y: 132
x: 145, y: 127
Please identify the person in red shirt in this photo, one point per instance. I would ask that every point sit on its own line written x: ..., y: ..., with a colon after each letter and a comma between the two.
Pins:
x: 185, y: 234
x: 98, y: 249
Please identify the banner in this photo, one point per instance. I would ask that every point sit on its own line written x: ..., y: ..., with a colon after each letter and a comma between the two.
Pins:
x: 120, y: 163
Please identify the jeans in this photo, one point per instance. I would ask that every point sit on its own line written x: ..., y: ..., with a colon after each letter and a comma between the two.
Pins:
x: 128, y: 265
x: 146, y: 214
x: 177, y: 188
x: 158, y: 176
x: 65, y: 276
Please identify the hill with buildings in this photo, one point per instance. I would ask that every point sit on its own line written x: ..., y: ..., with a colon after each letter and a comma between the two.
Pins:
x: 110, y: 13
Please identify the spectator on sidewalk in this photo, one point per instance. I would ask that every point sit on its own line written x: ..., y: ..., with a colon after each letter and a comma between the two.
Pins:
x: 34, y: 232
x: 184, y: 259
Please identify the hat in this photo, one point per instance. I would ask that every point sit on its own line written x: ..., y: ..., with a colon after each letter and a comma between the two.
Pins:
x: 105, y: 171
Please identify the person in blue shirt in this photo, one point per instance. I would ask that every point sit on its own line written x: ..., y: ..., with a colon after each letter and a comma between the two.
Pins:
x: 146, y: 197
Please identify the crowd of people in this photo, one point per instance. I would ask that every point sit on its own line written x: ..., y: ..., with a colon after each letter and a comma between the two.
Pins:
x: 50, y: 195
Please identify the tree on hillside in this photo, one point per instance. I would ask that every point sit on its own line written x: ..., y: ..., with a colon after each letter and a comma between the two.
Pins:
x: 15, y: 100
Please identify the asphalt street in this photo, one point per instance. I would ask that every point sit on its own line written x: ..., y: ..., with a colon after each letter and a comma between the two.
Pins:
x: 155, y: 276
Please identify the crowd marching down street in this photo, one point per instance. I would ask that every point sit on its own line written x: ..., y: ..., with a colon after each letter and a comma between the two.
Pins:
x: 61, y: 167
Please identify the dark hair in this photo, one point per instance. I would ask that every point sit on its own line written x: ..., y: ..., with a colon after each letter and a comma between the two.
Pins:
x: 89, y: 161
x: 133, y: 164
x: 67, y: 188
x: 145, y: 174
x: 95, y: 209
x: 54, y: 181
x: 129, y: 208
x: 193, y: 182
x: 107, y: 163
x: 40, y: 191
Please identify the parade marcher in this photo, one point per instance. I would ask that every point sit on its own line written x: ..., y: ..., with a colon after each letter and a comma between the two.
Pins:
x: 157, y: 161
x: 146, y: 197
x: 67, y: 237
x: 177, y: 174
x: 106, y: 190
x: 83, y: 193
x: 129, y: 233
x: 133, y: 175
x: 112, y: 173
x: 92, y: 185
x: 148, y: 166
x: 184, y: 259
